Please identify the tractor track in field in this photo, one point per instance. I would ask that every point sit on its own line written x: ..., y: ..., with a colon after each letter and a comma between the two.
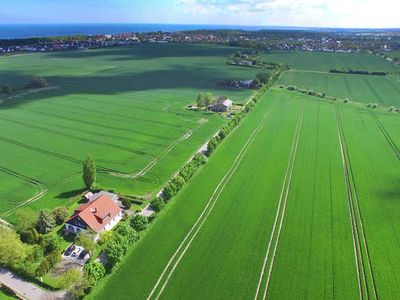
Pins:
x: 346, y: 83
x: 114, y: 146
x: 387, y: 135
x: 280, y: 212
x: 175, y: 259
x: 361, y: 250
x: 40, y: 188
x: 373, y: 91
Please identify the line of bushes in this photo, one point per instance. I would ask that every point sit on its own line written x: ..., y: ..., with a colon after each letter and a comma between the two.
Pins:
x: 293, y: 88
x: 359, y: 72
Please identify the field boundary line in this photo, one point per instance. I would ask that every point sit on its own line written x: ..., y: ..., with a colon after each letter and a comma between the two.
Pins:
x: 284, y: 194
x: 206, y: 211
x: 354, y: 206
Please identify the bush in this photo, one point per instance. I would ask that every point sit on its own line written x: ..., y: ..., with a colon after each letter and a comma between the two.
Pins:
x: 345, y: 100
x: 392, y: 108
x: 292, y: 88
x: 116, y: 249
x: 311, y: 92
x: 128, y: 232
x: 43, y: 268
x: 157, y: 204
x: 51, y: 243
x: 85, y: 241
x: 139, y: 222
x: 95, y: 271
x: 60, y: 214
x: 38, y: 82
x: 126, y: 203
x: 6, y: 89
x: 30, y: 236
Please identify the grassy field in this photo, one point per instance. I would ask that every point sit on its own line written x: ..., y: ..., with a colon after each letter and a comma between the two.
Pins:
x: 124, y: 106
x: 383, y: 90
x: 325, y: 61
x: 290, y: 204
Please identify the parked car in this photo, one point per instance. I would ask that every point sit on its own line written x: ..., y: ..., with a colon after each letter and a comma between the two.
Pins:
x: 76, y: 252
x: 69, y: 250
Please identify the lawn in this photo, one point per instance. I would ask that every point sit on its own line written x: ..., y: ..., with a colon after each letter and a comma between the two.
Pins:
x: 124, y: 106
x: 284, y: 166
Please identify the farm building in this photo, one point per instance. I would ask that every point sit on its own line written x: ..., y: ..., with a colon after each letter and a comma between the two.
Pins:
x: 95, y: 216
x: 221, y: 106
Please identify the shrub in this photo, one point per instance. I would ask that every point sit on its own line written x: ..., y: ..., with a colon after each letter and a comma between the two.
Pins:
x: 345, y: 100
x: 60, y: 214
x: 157, y: 204
x: 30, y: 236
x: 95, y: 271
x: 392, y: 108
x: 311, y: 92
x: 85, y: 241
x: 126, y: 203
x: 128, y: 232
x: 51, y: 243
x: 6, y: 89
x: 43, y: 268
x: 292, y: 88
x: 45, y: 222
x: 139, y: 222
x: 38, y: 82
x: 116, y: 249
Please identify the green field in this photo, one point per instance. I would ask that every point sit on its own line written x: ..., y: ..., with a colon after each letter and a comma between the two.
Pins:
x: 383, y: 90
x: 280, y: 210
x: 124, y: 106
x: 325, y: 61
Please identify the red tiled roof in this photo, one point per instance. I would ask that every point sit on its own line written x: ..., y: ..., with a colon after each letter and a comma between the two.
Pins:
x: 98, y: 213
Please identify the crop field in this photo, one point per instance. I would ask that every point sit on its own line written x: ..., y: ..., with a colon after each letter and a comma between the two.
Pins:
x: 124, y: 106
x: 291, y: 203
x: 325, y: 61
x: 383, y: 90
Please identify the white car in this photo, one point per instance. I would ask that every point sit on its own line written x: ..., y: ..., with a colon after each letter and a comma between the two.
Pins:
x: 77, y: 251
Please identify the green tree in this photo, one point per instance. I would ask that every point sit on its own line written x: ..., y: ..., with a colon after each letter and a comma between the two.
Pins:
x: 25, y: 219
x: 51, y: 243
x: 6, y: 89
x: 128, y: 232
x: 263, y: 77
x: 200, y: 100
x: 95, y: 271
x: 157, y: 204
x: 139, y: 222
x: 12, y: 250
x: 116, y: 249
x: 85, y: 241
x: 208, y: 99
x: 60, y: 214
x: 81, y: 287
x: 45, y: 222
x: 89, y: 172
x: 69, y: 278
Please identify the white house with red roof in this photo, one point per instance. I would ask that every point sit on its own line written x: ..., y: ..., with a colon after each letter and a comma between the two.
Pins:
x: 95, y: 216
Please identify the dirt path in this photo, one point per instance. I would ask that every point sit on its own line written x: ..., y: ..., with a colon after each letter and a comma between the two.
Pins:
x: 191, y: 235
x: 275, y: 234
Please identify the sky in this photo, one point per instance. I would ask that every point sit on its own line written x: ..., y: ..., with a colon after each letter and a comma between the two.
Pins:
x: 303, y: 13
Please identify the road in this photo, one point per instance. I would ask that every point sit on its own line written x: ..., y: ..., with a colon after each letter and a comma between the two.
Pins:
x: 27, y: 289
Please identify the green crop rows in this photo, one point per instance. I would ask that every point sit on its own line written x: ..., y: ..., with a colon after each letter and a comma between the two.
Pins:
x: 124, y: 106
x: 292, y: 203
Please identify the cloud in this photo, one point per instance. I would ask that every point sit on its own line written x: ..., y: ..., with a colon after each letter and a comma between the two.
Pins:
x: 337, y: 13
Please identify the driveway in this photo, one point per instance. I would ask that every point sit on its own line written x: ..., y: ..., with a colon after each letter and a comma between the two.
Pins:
x: 26, y: 289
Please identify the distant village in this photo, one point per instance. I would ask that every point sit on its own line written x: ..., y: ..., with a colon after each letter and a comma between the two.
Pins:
x: 349, y: 41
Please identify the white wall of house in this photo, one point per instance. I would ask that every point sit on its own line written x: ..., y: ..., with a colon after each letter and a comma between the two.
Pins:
x: 113, y: 222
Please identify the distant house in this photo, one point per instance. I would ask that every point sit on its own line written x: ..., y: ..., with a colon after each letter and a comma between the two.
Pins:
x: 221, y: 106
x: 97, y: 215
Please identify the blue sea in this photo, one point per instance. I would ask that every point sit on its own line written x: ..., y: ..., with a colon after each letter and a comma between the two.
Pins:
x: 16, y: 31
